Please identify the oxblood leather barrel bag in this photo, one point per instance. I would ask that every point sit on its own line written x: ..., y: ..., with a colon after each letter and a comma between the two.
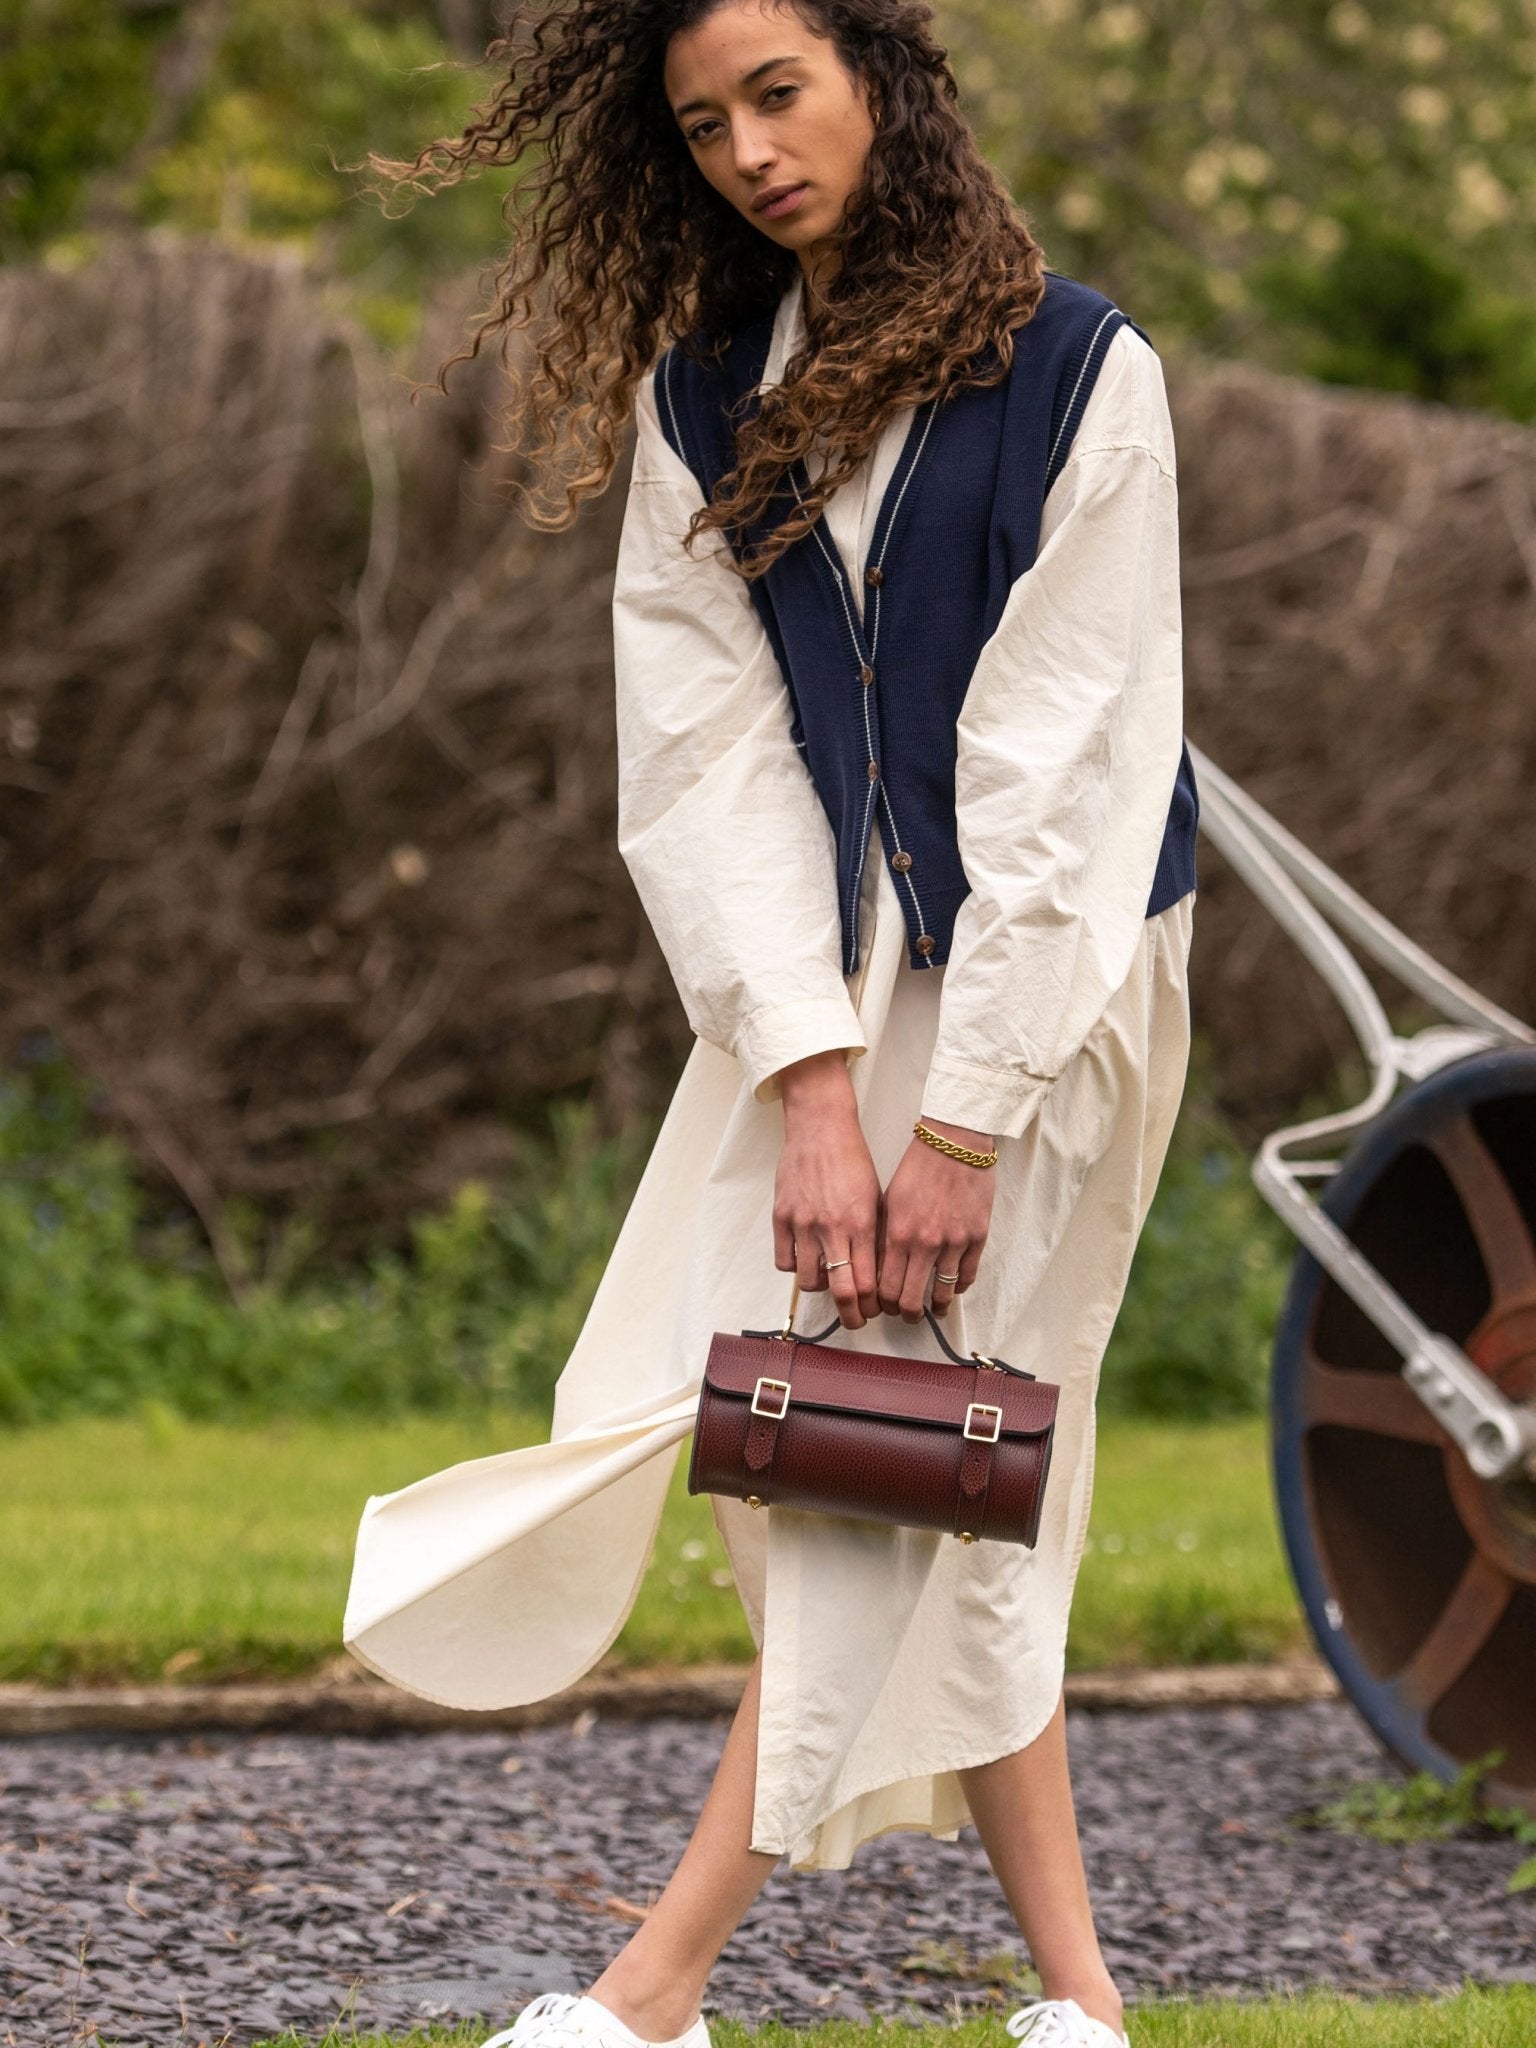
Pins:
x: 787, y: 1420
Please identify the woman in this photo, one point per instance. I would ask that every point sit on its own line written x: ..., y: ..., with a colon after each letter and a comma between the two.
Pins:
x: 904, y: 794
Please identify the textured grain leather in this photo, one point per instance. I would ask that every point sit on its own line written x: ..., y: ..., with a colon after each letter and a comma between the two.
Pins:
x: 878, y: 1437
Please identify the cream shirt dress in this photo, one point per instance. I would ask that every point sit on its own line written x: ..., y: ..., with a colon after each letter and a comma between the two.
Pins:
x: 892, y: 1657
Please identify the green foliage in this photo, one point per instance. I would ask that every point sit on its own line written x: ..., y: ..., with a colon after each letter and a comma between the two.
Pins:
x: 932, y: 1957
x: 1194, y: 1332
x: 301, y: 91
x: 1426, y: 1808
x: 103, y: 1309
x: 1342, y: 189
x: 106, y: 1306
x: 1392, y: 310
x: 253, y: 125
x: 75, y: 93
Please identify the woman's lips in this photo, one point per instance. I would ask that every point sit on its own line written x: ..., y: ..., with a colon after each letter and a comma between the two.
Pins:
x: 776, y: 208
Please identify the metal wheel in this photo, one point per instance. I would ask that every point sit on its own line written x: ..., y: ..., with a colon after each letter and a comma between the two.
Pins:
x: 1418, y: 1578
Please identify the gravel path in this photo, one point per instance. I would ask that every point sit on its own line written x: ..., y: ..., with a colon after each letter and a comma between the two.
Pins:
x: 213, y: 1889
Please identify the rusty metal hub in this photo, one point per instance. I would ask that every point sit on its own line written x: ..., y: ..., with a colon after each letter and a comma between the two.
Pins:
x: 1417, y: 1576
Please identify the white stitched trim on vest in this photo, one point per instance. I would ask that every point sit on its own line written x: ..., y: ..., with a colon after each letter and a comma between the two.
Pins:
x: 666, y: 380
x: 1114, y: 313
x: 891, y: 528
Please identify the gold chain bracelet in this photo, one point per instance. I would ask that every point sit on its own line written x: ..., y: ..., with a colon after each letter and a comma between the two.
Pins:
x: 954, y: 1151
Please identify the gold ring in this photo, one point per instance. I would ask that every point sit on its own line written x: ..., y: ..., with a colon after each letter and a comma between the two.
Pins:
x: 949, y: 1279
x: 836, y: 1263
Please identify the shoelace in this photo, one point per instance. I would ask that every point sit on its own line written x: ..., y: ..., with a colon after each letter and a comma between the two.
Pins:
x: 552, y: 2009
x: 1041, y: 2025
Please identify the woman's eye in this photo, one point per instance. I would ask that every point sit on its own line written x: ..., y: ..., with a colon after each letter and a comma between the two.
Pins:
x: 701, y: 133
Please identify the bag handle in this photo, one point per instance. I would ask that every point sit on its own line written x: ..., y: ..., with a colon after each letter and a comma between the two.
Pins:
x: 790, y: 1335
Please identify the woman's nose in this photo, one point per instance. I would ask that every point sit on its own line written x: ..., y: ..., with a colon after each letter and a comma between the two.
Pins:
x: 755, y: 152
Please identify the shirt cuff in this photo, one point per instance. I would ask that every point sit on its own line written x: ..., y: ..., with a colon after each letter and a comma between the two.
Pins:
x: 983, y: 1098
x: 774, y: 1038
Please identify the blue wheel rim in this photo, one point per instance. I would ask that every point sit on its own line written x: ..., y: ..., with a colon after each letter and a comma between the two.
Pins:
x: 1398, y: 1718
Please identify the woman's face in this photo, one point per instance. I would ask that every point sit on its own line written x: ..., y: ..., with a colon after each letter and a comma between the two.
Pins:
x: 774, y: 121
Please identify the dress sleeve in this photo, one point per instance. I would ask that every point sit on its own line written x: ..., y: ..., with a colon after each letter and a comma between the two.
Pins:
x: 720, y: 825
x: 1068, y: 747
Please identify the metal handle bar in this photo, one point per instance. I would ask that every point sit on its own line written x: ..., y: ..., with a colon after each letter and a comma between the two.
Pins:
x: 1498, y: 1436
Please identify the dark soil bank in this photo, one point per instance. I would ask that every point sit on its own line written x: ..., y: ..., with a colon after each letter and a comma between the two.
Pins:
x: 217, y: 1889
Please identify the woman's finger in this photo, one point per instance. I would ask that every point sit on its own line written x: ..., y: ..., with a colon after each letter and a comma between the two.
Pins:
x: 947, y: 1270
x: 845, y: 1292
x: 783, y: 1246
x: 914, y: 1285
x: 808, y: 1264
x: 969, y: 1265
x: 863, y: 1271
x: 893, y: 1277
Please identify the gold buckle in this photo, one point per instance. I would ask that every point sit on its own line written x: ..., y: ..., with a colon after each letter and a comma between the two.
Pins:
x: 757, y: 1395
x: 974, y: 1409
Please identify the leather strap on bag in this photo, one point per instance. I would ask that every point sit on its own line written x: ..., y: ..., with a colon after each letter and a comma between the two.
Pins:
x: 790, y: 1335
x: 975, y: 1467
x: 763, y: 1440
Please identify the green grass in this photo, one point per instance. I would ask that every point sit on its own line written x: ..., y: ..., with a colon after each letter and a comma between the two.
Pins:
x: 1469, y: 2018
x: 1184, y: 1563
x: 225, y: 1552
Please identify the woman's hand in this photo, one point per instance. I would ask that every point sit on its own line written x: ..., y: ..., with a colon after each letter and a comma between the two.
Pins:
x: 826, y: 1195
x: 935, y: 1219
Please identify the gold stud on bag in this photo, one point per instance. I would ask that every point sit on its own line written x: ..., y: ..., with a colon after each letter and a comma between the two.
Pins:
x: 786, y: 1420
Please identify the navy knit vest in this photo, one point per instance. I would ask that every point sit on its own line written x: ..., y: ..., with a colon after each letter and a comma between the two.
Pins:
x: 875, y: 702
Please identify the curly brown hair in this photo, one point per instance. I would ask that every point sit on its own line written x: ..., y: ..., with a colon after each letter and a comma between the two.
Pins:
x: 937, y: 264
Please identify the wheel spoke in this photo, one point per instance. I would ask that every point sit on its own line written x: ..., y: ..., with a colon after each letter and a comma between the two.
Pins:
x: 1381, y: 1403
x: 1502, y: 1233
x: 1461, y: 1628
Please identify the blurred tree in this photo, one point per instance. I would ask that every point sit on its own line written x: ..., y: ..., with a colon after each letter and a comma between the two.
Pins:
x: 1393, y: 311
x: 1338, y: 188
x: 299, y: 90
x: 1341, y: 189
x: 467, y: 25
x: 75, y: 95
x: 238, y: 120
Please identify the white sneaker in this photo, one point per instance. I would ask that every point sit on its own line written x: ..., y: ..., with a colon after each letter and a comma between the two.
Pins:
x: 561, y: 2019
x: 1060, y: 2023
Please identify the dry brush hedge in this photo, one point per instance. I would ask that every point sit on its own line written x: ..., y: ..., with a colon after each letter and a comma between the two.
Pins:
x: 307, y: 754
x: 1359, y: 576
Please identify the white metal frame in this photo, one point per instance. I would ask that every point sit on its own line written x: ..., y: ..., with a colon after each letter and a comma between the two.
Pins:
x: 1498, y: 1436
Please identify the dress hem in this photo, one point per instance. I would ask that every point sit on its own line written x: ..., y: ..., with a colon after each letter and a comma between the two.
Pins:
x: 935, y: 1768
